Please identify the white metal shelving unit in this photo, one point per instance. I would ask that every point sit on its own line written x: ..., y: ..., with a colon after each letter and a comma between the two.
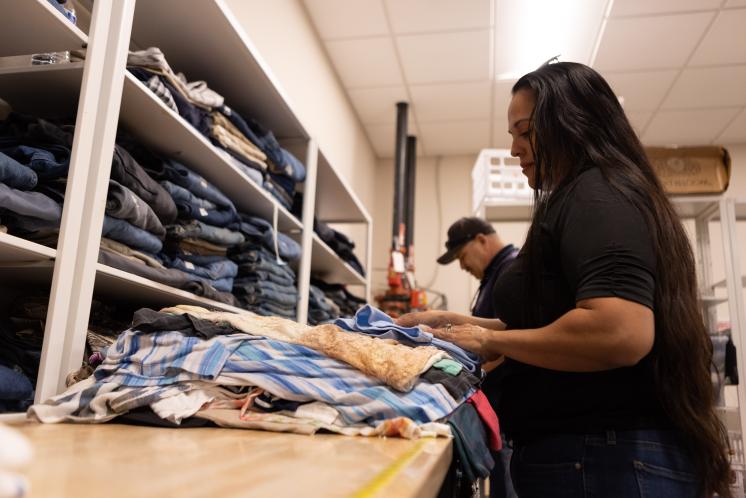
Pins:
x: 205, y: 42
x: 492, y: 200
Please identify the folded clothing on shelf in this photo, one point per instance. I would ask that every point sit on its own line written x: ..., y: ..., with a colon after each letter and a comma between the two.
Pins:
x: 347, y: 303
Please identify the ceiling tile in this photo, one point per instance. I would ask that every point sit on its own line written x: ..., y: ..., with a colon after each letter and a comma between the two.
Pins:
x: 650, y: 42
x: 457, y: 101
x: 383, y: 139
x: 378, y: 105
x: 694, y: 127
x: 416, y: 16
x: 736, y: 131
x: 708, y: 87
x: 637, y: 7
x: 725, y: 42
x: 639, y: 120
x: 454, y: 137
x: 347, y: 18
x: 365, y: 63
x: 445, y: 57
x: 642, y: 91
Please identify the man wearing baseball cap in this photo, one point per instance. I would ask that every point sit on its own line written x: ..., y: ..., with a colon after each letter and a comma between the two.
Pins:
x: 476, y: 245
x: 481, y: 253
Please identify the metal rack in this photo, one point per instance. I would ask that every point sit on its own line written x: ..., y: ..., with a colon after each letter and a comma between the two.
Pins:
x: 106, y: 96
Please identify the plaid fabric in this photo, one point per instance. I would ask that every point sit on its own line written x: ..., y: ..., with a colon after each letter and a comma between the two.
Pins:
x: 157, y: 87
x: 141, y: 369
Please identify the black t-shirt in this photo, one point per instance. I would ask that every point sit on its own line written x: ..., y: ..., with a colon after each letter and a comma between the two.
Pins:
x: 595, y: 243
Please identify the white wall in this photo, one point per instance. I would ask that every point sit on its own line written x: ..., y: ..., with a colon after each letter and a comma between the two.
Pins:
x: 285, y: 38
x: 435, y: 210
x: 432, y: 220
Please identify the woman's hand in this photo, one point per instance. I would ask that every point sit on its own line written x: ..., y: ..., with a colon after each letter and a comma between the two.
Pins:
x: 471, y: 338
x: 433, y: 319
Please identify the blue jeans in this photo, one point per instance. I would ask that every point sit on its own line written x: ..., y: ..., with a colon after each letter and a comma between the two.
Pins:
x: 214, y: 270
x: 15, y: 174
x: 259, y: 229
x: 179, y: 193
x: 130, y: 235
x: 181, y: 175
x: 51, y: 162
x: 31, y: 204
x: 199, y: 230
x: 283, y: 272
x: 267, y: 293
x: 624, y: 464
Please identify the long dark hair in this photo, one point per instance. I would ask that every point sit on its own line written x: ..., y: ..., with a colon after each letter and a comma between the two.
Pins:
x: 578, y: 121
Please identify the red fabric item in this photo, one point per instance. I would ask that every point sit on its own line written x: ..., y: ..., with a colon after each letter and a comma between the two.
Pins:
x: 489, y: 419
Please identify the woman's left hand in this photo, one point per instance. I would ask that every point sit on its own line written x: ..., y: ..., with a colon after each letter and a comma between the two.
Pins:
x: 471, y: 338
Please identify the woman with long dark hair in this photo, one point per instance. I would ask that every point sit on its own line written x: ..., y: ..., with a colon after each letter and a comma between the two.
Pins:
x: 606, y: 389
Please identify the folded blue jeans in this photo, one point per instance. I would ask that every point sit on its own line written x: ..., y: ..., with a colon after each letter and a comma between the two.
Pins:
x: 130, y: 235
x: 31, y: 204
x: 248, y: 286
x: 258, y: 295
x: 269, y: 309
x: 265, y: 276
x: 49, y: 163
x: 220, y: 269
x: 124, y: 204
x: 183, y: 176
x: 200, y: 230
x: 179, y: 193
x: 282, y: 272
x: 254, y: 227
x: 16, y: 175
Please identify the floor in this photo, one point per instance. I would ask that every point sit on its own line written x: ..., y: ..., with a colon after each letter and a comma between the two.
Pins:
x: 116, y: 460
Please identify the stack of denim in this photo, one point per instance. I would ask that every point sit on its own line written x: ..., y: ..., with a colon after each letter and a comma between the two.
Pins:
x: 198, y: 242
x: 347, y: 303
x: 251, y: 147
x: 321, y: 309
x: 34, y: 160
x: 265, y: 284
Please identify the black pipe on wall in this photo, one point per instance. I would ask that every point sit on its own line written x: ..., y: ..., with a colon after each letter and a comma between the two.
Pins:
x: 411, y: 167
x: 400, y: 158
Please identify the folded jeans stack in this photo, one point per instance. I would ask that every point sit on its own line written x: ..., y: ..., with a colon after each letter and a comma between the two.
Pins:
x: 264, y: 285
x: 347, y: 303
x: 320, y: 308
x: 34, y: 160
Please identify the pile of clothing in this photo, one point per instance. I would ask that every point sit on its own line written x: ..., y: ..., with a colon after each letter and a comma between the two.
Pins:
x: 186, y: 366
x: 34, y: 161
x: 266, y: 284
x: 245, y: 143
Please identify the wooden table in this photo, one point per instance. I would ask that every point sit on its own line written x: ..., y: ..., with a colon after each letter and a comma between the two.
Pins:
x: 116, y: 460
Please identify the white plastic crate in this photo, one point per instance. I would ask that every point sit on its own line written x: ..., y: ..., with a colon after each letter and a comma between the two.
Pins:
x: 497, y: 177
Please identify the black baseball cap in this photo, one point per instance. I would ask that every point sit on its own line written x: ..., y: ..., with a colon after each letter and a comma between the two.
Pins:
x: 461, y: 232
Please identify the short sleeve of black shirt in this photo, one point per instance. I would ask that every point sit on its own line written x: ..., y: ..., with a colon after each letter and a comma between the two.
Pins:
x: 604, y: 243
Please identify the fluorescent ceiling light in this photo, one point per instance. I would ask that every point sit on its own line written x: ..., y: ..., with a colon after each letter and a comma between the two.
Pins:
x: 529, y: 32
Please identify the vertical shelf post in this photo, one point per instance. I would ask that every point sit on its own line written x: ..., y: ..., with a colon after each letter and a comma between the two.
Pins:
x: 368, y: 258
x: 735, y: 293
x: 85, y: 195
x: 309, y: 209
